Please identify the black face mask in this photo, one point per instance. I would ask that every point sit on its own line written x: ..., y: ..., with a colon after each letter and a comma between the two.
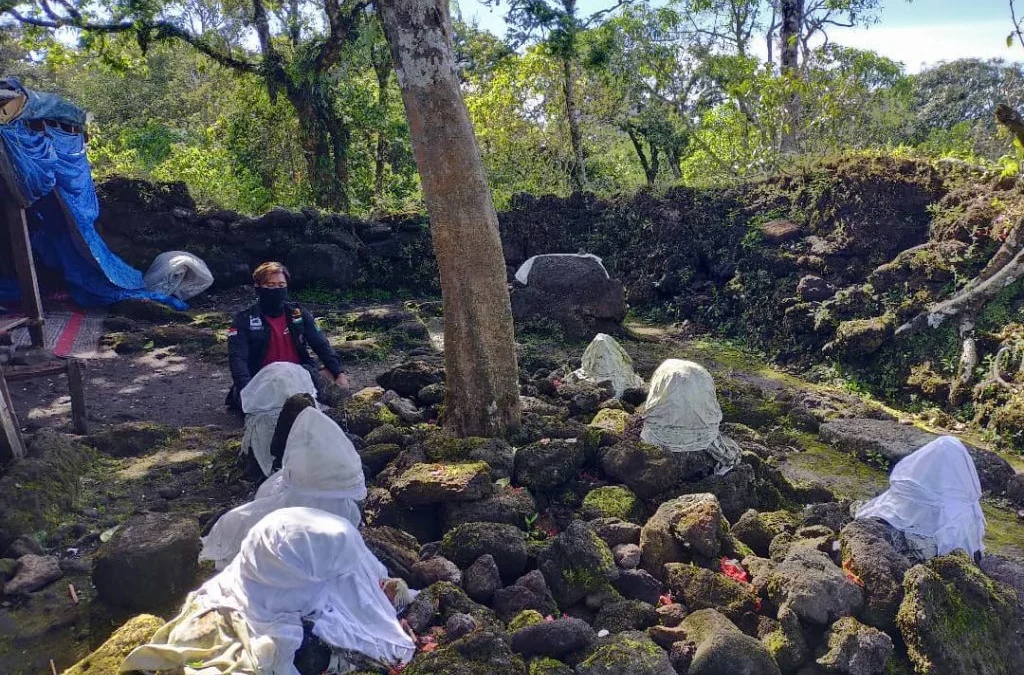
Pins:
x: 272, y: 300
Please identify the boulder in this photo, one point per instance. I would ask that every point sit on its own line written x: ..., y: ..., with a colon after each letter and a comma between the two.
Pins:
x: 629, y: 653
x: 680, y: 529
x: 894, y: 441
x: 625, y: 615
x: 403, y: 408
x: 363, y: 412
x: 423, y: 484
x: 735, y: 490
x: 615, y: 531
x: 700, y: 588
x: 722, y: 649
x: 24, y: 545
x: 573, y: 292
x: 432, y: 394
x: 554, y: 639
x: 466, y: 543
x: 613, y: 501
x: 459, y: 626
x: 1015, y: 489
x: 149, y: 563
x: 42, y: 484
x: 647, y: 470
x: 576, y: 563
x: 1009, y: 571
x: 439, y: 602
x: 780, y: 231
x: 508, y: 506
x: 397, y: 550
x: 627, y: 556
x: 482, y: 651
x: 482, y: 579
x: 530, y: 592
x: 497, y: 454
x: 436, y: 568
x: 757, y: 530
x: 131, y: 439
x: 547, y: 464
x: 814, y: 289
x: 956, y: 621
x: 868, y: 552
x: 784, y: 640
x: 833, y: 515
x: 639, y: 585
x: 810, y: 584
x: 856, y: 649
x: 380, y: 318
x: 33, y: 572
x: 377, y: 456
x: 311, y: 264
x: 607, y: 427
x: 407, y: 379
x: 106, y: 660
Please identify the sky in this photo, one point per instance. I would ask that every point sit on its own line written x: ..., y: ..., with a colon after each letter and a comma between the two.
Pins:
x: 919, y: 33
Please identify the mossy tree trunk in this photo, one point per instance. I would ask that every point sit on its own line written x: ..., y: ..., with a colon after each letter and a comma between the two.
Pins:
x: 480, y: 359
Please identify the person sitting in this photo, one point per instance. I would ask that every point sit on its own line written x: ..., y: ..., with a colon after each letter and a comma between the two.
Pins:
x: 321, y: 470
x: 296, y: 565
x: 275, y: 330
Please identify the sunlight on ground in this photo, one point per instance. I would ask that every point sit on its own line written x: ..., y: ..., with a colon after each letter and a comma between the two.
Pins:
x: 139, y: 467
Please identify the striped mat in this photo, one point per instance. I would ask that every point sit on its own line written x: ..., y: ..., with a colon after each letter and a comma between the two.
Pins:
x: 68, y: 332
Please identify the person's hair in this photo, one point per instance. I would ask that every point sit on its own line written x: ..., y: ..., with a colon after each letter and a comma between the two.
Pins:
x: 267, y: 270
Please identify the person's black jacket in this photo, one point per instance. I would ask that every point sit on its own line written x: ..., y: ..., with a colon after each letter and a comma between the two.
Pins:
x: 248, y: 341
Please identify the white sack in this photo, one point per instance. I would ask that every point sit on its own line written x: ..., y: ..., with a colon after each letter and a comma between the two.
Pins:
x: 295, y: 563
x: 605, y: 359
x: 682, y: 413
x: 320, y: 469
x: 934, y: 495
x: 262, y: 400
x: 178, y: 273
x: 523, y: 273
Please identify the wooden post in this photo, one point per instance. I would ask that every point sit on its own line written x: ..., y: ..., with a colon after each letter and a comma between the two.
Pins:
x: 76, y: 386
x: 12, y: 446
x: 25, y: 268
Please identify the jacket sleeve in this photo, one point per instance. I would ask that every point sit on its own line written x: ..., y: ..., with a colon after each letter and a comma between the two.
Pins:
x: 319, y: 343
x: 238, y: 352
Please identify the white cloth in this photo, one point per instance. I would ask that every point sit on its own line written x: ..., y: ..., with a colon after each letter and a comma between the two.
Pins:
x: 605, y: 359
x: 320, y: 469
x: 682, y: 413
x: 934, y: 495
x: 262, y: 400
x: 300, y: 563
x: 523, y: 273
x: 178, y: 273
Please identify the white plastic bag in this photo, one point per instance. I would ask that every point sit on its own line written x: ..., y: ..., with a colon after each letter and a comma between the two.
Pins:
x: 178, y: 273
x: 934, y: 498
x: 320, y: 469
x: 262, y: 400
x: 523, y: 273
x: 605, y: 359
x: 682, y: 413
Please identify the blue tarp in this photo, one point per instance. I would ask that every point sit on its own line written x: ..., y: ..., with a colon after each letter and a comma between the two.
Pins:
x: 51, y: 163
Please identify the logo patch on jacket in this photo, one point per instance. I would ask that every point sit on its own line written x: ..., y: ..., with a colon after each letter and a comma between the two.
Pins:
x: 232, y: 332
x: 255, y: 323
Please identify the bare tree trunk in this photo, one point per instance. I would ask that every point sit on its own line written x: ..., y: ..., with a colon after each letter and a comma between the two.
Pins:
x: 791, y: 19
x: 480, y: 358
x: 325, y: 139
x: 579, y: 169
x: 382, y: 67
x: 650, y: 166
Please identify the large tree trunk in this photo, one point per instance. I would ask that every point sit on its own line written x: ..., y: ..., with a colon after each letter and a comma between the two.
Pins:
x: 579, y: 168
x: 791, y: 19
x: 382, y: 67
x: 325, y: 139
x: 480, y: 359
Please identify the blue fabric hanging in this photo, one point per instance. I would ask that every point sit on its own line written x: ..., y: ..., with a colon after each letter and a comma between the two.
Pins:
x: 51, y: 163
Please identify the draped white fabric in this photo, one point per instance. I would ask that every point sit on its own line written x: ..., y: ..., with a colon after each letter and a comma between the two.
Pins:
x: 605, y: 359
x: 262, y: 400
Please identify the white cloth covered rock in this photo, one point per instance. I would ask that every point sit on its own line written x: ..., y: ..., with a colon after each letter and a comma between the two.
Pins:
x: 934, y: 500
x: 320, y: 469
x: 682, y: 414
x: 605, y: 359
x: 296, y: 563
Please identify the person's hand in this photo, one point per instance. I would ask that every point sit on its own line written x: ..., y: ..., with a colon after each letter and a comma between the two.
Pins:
x: 341, y: 380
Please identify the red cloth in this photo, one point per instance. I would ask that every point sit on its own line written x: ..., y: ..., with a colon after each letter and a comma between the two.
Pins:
x: 281, y: 346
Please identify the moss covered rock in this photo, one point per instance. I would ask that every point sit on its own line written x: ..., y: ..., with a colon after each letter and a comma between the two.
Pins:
x: 107, y: 659
x: 629, y: 653
x: 681, y: 529
x: 132, y: 438
x: 546, y: 666
x: 577, y: 563
x: 814, y: 588
x: 466, y: 543
x: 613, y: 501
x: 363, y: 412
x: 757, y: 530
x: 868, y: 552
x: 548, y: 464
x: 957, y: 621
x: 525, y: 618
x: 37, y: 489
x: 722, y: 649
x: 858, y: 338
x: 481, y: 652
x: 645, y: 469
x: 700, y: 588
x: 424, y: 484
x: 606, y: 428
x: 856, y: 649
